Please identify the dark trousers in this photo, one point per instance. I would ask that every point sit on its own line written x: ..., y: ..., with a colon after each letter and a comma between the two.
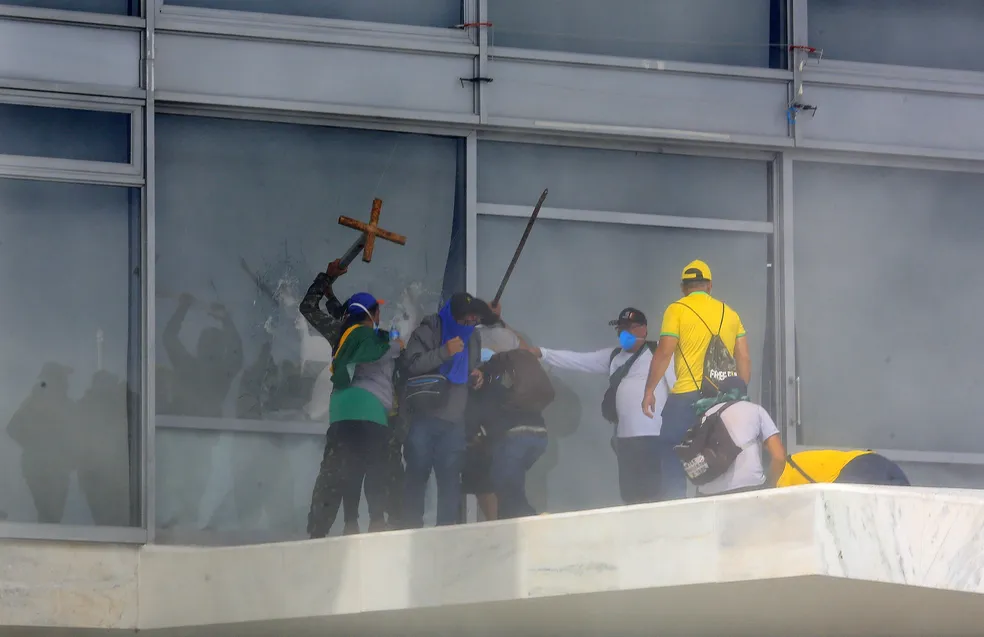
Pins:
x: 678, y: 417
x: 385, y: 504
x: 434, y: 445
x: 639, y: 469
x: 512, y: 456
x: 872, y: 468
x: 354, y: 450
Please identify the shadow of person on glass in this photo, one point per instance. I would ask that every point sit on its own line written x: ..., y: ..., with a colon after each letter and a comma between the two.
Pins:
x: 40, y: 426
x: 563, y: 417
x: 201, y: 383
x: 263, y: 482
x: 102, y: 447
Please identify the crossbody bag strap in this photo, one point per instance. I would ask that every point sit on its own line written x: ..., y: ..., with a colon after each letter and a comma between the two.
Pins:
x: 792, y: 463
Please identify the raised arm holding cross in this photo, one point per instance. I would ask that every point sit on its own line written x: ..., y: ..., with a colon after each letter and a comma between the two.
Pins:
x: 366, y: 242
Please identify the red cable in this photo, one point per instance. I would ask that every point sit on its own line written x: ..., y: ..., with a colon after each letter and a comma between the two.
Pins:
x: 467, y: 25
x: 802, y: 47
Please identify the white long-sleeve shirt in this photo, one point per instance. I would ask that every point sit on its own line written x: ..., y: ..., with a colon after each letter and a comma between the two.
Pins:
x: 632, y: 421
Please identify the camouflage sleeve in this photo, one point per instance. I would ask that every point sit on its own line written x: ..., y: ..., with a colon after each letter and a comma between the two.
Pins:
x: 326, y: 323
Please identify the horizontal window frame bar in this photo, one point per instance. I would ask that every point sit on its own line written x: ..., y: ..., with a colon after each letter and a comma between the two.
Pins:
x: 903, y: 455
x: 668, y: 147
x: 312, y: 119
x: 86, y: 90
x: 638, y: 64
x: 73, y: 533
x: 606, y: 131
x: 889, y: 150
x: 628, y: 218
x: 62, y: 16
x: 214, y: 538
x: 885, y: 161
x: 291, y: 106
x: 69, y: 170
x: 277, y: 27
x: 241, y: 425
x: 53, y: 99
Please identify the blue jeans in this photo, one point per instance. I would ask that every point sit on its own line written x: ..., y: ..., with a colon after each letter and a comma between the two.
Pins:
x: 512, y: 457
x: 434, y: 445
x: 678, y: 417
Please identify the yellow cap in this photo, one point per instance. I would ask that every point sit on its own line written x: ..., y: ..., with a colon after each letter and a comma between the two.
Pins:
x: 696, y: 271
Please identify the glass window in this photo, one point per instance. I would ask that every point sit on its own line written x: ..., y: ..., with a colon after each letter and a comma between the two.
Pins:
x: 621, y: 181
x: 423, y: 13
x: 732, y: 32
x: 887, y: 264
x: 63, y: 133
x: 69, y: 428
x: 947, y: 476
x: 246, y: 216
x: 573, y: 278
x: 932, y: 33
x: 115, y: 7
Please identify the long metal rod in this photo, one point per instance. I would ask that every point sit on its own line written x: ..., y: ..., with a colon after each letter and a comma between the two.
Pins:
x: 519, y: 248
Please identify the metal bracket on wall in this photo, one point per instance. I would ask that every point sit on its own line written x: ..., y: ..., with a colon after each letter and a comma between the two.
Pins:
x: 811, y: 52
x: 475, y: 80
x: 795, y: 108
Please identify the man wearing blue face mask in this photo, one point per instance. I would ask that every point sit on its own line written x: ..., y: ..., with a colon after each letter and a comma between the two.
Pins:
x: 637, y: 439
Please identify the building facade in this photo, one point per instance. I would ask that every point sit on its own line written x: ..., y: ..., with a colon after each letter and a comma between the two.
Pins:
x: 171, y: 174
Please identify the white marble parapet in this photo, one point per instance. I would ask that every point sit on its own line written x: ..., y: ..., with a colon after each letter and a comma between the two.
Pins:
x: 857, y: 560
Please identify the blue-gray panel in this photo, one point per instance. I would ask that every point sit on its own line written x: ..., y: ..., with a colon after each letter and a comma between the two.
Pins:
x: 888, y: 264
x: 583, y: 94
x: 64, y: 133
x: 115, y: 7
x: 931, y: 33
x: 67, y: 410
x: 734, y: 32
x: 623, y: 181
x: 895, y: 118
x: 424, y: 13
x: 316, y: 74
x: 72, y: 54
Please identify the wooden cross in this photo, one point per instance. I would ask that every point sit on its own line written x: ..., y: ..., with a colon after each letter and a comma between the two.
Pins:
x: 369, y: 232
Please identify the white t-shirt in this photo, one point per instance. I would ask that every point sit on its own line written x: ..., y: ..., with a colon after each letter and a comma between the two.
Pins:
x: 632, y: 421
x: 750, y: 426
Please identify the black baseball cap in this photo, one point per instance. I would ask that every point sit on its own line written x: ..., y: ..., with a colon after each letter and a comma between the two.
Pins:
x: 463, y: 304
x: 630, y: 315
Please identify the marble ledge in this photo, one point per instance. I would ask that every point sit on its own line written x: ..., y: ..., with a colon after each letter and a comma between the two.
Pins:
x: 910, y: 537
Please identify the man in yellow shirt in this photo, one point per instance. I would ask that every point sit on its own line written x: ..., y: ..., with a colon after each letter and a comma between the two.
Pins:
x: 843, y: 467
x: 709, y: 341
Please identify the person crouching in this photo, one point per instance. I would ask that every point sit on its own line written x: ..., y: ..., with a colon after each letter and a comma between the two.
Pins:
x: 514, y: 392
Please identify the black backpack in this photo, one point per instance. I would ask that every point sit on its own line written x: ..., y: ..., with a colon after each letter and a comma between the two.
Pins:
x: 719, y: 364
x: 519, y: 371
x: 708, y: 450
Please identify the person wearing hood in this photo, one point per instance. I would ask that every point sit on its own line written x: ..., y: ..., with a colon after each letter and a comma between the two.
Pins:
x: 440, y: 363
x: 362, y: 396
x: 637, y: 435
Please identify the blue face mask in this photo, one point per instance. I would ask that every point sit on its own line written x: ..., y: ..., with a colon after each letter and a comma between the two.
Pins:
x: 487, y: 354
x: 626, y: 339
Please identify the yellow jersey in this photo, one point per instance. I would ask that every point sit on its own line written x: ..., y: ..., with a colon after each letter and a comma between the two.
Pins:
x: 823, y: 465
x: 685, y: 324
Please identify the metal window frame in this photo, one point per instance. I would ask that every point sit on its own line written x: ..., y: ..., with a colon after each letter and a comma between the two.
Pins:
x: 72, y: 533
x: 627, y: 218
x: 78, y: 170
x: 149, y: 282
x: 63, y: 16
